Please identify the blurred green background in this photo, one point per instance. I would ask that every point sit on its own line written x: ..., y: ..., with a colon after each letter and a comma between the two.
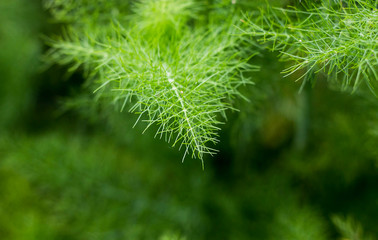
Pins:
x: 291, y: 165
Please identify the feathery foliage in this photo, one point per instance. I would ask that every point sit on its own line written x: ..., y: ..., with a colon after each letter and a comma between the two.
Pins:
x: 261, y: 186
x: 339, y: 38
x: 174, y: 75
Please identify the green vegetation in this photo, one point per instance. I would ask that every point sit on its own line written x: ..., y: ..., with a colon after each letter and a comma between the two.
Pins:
x: 286, y: 130
x: 175, y: 76
x: 18, y: 59
x: 338, y: 38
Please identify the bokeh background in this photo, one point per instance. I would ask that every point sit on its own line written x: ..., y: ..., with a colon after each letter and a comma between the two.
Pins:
x: 291, y: 165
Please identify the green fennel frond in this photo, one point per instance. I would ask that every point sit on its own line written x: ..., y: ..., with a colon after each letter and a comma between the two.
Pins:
x: 339, y: 38
x: 180, y: 81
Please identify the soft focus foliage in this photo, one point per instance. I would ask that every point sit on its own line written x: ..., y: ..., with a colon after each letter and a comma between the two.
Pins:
x: 290, y: 165
x: 350, y: 229
x: 19, y: 53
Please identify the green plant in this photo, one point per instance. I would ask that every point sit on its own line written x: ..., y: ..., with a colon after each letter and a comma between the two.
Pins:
x: 350, y: 229
x: 287, y: 160
x: 179, y: 68
x: 338, y: 38
x: 173, y: 73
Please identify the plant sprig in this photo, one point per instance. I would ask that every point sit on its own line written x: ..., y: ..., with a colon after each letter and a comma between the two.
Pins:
x: 180, y: 81
x: 339, y: 38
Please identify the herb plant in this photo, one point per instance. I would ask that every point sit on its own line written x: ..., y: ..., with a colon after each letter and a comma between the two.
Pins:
x: 179, y: 65
x: 163, y: 64
x: 338, y: 38
x: 291, y: 164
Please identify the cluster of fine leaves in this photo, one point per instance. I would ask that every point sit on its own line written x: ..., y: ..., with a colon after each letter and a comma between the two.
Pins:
x: 339, y: 38
x: 177, y: 69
